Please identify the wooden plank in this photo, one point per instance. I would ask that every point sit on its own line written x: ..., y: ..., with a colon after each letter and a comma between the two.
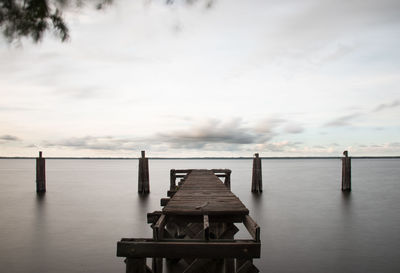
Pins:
x: 252, y: 227
x: 139, y: 248
x: 203, y: 187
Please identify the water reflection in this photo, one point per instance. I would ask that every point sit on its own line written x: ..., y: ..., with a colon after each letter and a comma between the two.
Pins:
x: 40, y: 199
x: 346, y: 201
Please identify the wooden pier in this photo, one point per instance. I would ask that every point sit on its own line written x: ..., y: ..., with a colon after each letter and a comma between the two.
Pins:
x: 195, y: 230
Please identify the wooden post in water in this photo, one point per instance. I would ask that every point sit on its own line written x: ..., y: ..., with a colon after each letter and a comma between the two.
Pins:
x: 256, y: 181
x: 346, y: 172
x: 143, y: 173
x: 40, y: 174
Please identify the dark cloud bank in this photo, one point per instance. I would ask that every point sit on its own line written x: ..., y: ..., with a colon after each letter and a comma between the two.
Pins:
x: 211, y: 134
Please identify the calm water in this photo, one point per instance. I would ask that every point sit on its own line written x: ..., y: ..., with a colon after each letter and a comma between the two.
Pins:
x: 307, y: 223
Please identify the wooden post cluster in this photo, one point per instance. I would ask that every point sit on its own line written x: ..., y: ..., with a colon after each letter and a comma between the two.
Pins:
x: 143, y: 173
x: 256, y: 181
x: 346, y: 172
x: 40, y: 174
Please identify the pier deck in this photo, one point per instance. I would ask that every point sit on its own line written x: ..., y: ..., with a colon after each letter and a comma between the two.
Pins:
x: 195, y: 230
x: 204, y: 193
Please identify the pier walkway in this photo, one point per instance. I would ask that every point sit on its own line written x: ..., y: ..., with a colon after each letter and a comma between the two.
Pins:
x: 195, y: 230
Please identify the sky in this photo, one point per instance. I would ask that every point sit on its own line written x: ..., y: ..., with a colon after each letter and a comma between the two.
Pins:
x: 222, y: 78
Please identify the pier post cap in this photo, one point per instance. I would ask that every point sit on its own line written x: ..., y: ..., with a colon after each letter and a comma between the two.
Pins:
x: 143, y: 154
x: 346, y: 153
x: 40, y: 154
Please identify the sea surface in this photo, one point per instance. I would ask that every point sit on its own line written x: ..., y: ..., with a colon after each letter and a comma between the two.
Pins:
x: 307, y: 223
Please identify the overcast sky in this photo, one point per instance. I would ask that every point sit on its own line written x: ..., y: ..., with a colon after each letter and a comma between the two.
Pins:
x: 231, y: 78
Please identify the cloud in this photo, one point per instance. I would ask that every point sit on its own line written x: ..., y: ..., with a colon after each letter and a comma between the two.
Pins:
x: 208, y: 134
x: 343, y: 120
x: 95, y: 143
x: 293, y: 128
x: 346, y: 120
x: 213, y: 131
x: 385, y: 106
x: 9, y: 138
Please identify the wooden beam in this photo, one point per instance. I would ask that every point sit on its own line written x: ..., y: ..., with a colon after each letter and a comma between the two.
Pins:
x: 171, y: 193
x: 152, y: 217
x: 139, y: 248
x: 247, y: 267
x: 252, y: 227
x: 158, y: 228
x: 221, y: 171
x: 136, y: 265
x: 183, y: 171
x: 164, y: 201
x: 196, y: 266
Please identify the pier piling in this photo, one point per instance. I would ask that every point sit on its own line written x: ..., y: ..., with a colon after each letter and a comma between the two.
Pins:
x: 256, y: 181
x: 40, y: 174
x: 346, y: 172
x: 143, y: 173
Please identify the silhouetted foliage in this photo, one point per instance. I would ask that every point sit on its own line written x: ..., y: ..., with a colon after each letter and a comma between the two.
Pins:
x: 24, y: 18
x: 32, y: 18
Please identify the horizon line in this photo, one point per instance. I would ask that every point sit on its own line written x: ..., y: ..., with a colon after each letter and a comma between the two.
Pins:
x: 202, y: 158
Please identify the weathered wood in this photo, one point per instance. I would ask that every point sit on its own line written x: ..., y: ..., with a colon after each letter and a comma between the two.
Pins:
x: 226, y: 173
x: 196, y: 227
x: 143, y: 174
x: 172, y: 177
x: 203, y: 193
x: 256, y: 181
x: 195, y: 266
x: 158, y: 228
x: 252, y: 227
x: 40, y: 174
x: 247, y: 266
x: 206, y: 228
x: 135, y: 265
x: 346, y: 172
x: 157, y: 265
x: 152, y: 217
x: 138, y: 248
x: 171, y: 193
x: 158, y: 234
x: 164, y: 201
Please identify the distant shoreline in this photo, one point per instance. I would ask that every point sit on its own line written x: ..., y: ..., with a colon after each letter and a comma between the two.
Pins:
x: 205, y: 158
